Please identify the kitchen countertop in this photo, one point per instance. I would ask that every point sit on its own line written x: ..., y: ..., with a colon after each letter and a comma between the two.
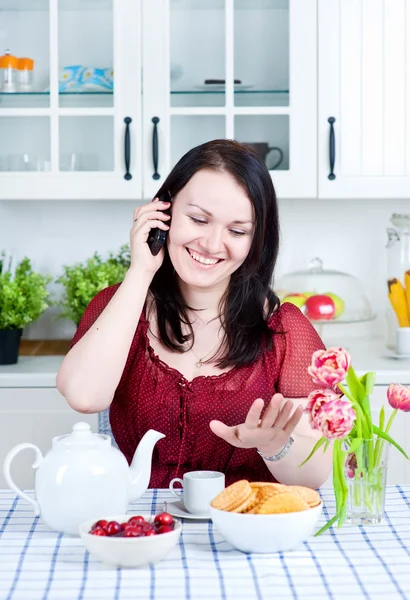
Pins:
x: 368, y: 355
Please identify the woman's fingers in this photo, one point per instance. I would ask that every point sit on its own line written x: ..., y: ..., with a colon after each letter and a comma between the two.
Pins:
x: 293, y: 421
x: 226, y: 433
x: 254, y: 415
x: 155, y: 206
x: 272, y: 411
x: 284, y: 414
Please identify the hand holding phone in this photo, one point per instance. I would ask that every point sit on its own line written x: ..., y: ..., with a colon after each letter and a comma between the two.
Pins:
x: 157, y: 237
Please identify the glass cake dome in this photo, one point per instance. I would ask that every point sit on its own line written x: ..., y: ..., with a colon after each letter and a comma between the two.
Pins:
x: 324, y: 295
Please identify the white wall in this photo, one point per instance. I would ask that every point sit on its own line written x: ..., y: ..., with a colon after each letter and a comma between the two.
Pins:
x: 349, y: 236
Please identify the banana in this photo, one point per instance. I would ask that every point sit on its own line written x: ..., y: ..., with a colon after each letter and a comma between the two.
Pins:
x: 407, y: 288
x: 397, y: 297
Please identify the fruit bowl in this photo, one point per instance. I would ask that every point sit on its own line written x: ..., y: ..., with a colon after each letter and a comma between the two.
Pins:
x: 266, y: 533
x: 325, y: 295
x: 117, y: 550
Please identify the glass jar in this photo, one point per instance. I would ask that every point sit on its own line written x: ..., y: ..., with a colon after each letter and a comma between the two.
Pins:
x: 8, y: 72
x: 25, y: 74
x: 311, y: 290
x: 398, y: 262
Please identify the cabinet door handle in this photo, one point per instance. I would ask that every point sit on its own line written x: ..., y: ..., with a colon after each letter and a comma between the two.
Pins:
x: 156, y: 175
x: 332, y: 148
x: 127, y: 148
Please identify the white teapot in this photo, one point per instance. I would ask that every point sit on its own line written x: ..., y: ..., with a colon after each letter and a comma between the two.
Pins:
x: 84, y: 477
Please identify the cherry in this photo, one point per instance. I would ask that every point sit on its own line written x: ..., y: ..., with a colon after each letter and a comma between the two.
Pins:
x: 149, y: 532
x: 113, y: 527
x: 98, y: 531
x: 136, y: 519
x: 132, y: 532
x: 163, y: 518
x: 101, y: 523
x: 123, y: 525
x: 165, y: 528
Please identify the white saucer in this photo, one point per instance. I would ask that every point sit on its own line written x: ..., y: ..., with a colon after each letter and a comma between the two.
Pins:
x: 177, y: 509
x: 398, y: 356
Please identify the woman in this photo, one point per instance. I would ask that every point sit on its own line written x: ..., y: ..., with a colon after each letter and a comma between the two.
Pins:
x: 194, y: 343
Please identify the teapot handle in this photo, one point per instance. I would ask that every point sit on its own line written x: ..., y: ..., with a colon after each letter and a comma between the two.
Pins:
x: 7, y: 475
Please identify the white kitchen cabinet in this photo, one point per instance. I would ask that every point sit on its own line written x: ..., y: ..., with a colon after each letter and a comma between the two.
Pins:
x: 71, y: 136
x: 364, y: 87
x: 34, y: 415
x: 269, y: 47
x: 63, y: 142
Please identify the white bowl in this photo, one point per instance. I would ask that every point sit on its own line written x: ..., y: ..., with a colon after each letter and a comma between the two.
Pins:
x: 266, y: 533
x: 129, y: 552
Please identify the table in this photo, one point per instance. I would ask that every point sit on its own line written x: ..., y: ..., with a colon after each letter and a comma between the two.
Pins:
x: 353, y: 562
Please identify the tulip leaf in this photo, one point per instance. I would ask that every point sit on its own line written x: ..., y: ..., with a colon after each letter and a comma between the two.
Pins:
x: 367, y: 380
x: 384, y: 435
x: 381, y: 418
x: 318, y: 444
x: 326, y: 526
x: 355, y: 445
x: 355, y: 386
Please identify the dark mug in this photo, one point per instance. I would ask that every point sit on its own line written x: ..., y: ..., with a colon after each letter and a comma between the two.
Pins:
x: 262, y: 149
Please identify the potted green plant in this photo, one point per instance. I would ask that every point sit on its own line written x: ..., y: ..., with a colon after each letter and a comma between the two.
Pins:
x: 23, y: 298
x: 83, y: 280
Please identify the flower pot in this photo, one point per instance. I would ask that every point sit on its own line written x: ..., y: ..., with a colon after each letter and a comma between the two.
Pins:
x: 9, y: 346
x: 365, y: 473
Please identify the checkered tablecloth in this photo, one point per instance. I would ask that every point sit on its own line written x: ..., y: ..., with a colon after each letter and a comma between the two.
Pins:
x: 353, y: 562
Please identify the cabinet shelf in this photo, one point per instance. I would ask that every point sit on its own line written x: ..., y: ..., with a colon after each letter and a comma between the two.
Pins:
x: 60, y: 94
x: 211, y: 91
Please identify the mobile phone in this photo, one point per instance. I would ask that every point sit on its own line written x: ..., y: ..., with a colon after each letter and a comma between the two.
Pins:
x: 157, y: 237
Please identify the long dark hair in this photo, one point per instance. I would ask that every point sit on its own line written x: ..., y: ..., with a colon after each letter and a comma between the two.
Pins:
x: 249, y: 299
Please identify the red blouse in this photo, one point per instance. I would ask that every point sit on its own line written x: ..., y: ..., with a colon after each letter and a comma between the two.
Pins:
x: 152, y: 395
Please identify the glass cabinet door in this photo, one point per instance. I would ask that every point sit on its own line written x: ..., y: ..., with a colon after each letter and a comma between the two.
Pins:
x: 241, y: 69
x: 70, y: 97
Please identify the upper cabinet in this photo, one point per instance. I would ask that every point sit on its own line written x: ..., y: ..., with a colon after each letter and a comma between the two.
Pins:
x: 364, y: 93
x: 70, y: 99
x: 241, y: 69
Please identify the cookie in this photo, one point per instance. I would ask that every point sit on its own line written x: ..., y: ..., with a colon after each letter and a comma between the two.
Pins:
x: 248, y: 504
x: 261, y: 484
x: 307, y: 494
x: 233, y: 496
x: 283, y: 502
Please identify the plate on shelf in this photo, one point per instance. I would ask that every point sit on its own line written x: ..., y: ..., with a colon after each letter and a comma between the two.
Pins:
x: 220, y: 87
x: 177, y: 509
x: 397, y: 356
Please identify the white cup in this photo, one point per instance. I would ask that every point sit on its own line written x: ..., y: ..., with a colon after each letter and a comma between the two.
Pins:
x: 403, y: 341
x: 200, y: 488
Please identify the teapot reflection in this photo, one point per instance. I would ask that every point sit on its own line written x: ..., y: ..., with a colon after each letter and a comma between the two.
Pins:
x: 262, y: 149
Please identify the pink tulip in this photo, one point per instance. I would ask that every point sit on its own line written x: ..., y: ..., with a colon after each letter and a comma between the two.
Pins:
x: 330, y: 414
x: 399, y: 397
x: 329, y: 367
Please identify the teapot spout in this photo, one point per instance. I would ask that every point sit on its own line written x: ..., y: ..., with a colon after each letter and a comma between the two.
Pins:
x: 140, y: 469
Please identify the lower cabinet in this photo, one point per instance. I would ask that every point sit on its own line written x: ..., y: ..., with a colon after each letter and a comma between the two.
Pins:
x: 34, y: 415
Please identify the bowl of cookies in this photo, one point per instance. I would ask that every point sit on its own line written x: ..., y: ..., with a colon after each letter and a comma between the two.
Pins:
x: 265, y: 517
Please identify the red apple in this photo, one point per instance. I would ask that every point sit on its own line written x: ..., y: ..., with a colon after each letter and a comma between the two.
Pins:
x: 320, y: 308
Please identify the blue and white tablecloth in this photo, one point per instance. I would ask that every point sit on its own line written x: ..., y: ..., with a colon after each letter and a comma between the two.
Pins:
x: 350, y: 563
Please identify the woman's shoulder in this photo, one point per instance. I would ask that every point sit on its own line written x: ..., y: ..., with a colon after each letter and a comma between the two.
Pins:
x: 104, y: 296
x: 288, y: 315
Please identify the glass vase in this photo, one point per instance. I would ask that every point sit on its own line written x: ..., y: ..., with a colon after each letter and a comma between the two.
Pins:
x: 365, y: 473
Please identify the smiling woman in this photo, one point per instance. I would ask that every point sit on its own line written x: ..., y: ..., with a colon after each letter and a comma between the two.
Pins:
x: 194, y: 342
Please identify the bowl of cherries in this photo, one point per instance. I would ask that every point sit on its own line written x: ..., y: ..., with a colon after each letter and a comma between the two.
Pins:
x: 131, y: 540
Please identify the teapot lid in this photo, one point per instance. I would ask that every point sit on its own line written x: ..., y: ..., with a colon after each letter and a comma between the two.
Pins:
x: 80, y: 435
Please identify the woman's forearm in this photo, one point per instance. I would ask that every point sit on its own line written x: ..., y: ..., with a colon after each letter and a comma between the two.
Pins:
x: 92, y: 369
x: 316, y: 471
